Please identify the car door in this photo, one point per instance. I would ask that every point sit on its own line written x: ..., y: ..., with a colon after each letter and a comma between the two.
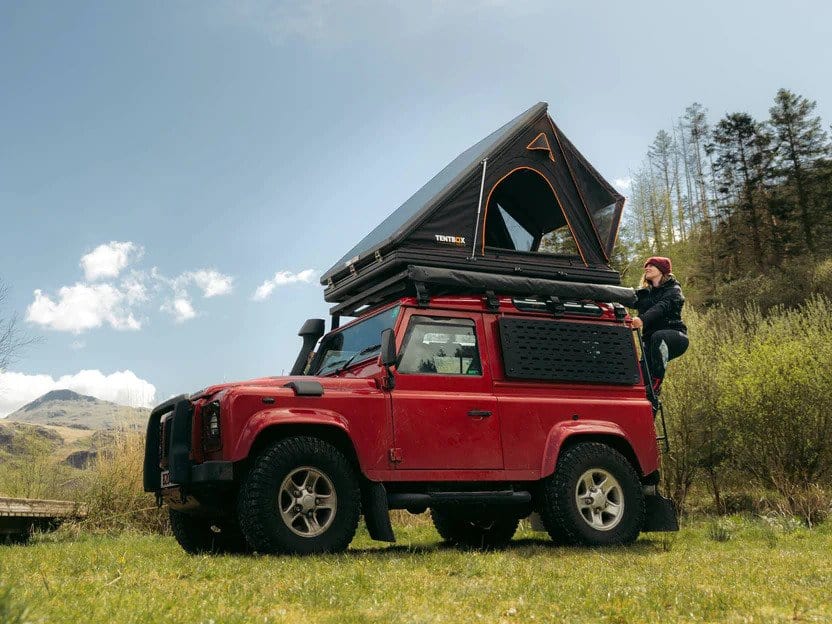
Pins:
x: 444, y: 408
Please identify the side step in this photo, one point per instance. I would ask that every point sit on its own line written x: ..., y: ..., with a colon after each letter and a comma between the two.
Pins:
x: 407, y: 500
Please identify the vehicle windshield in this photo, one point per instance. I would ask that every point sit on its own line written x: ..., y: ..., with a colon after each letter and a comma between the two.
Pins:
x: 357, y: 343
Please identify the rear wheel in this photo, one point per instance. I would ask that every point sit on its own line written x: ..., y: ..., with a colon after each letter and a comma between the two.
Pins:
x: 467, y: 529
x: 593, y: 498
x: 197, y: 535
x: 301, y: 496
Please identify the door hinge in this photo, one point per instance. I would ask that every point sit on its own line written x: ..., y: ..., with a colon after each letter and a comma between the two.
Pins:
x: 395, y: 455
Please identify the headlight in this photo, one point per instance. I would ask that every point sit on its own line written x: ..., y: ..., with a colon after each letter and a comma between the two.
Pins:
x: 211, y: 427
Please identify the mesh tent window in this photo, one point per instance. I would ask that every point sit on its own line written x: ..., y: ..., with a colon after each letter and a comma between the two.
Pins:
x: 523, y: 214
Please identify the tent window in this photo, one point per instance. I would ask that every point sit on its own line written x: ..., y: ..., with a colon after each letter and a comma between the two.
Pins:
x: 602, y: 218
x: 523, y: 215
x: 520, y: 237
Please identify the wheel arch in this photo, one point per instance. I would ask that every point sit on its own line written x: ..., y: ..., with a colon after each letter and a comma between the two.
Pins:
x: 328, y: 432
x: 562, y: 438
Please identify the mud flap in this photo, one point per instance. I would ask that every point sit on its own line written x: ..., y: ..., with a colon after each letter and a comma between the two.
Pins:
x: 376, y: 512
x: 660, y: 514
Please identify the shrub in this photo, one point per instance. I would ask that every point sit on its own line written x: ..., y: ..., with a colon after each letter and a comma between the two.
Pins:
x: 696, y: 424
x: 749, y: 401
x: 113, y: 489
x: 778, y: 401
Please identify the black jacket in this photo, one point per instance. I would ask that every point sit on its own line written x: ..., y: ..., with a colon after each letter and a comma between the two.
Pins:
x: 661, y: 307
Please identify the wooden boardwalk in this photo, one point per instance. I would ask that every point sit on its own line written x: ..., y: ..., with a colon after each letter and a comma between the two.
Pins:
x: 19, y: 517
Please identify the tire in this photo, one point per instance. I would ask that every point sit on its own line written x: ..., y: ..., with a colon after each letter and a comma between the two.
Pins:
x: 464, y: 529
x: 278, y: 511
x: 594, y: 498
x: 199, y: 535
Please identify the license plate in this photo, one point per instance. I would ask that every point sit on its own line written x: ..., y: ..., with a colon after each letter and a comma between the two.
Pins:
x: 166, y: 478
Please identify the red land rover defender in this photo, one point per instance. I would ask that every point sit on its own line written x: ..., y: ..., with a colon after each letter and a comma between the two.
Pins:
x: 482, y: 409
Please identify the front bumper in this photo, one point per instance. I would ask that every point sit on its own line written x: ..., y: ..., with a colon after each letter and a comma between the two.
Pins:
x: 173, y: 443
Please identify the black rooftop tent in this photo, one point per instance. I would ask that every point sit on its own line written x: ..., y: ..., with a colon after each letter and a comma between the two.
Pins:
x: 522, y: 202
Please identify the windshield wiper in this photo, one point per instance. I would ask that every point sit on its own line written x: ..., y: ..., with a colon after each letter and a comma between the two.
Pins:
x: 369, y: 349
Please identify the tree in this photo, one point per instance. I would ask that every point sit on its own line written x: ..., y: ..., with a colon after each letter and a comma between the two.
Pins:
x: 741, y: 147
x: 697, y: 126
x: 801, y: 141
x: 659, y: 156
x: 12, y: 340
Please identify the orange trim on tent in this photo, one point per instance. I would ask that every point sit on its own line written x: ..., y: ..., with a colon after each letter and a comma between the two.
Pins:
x: 557, y: 199
x: 537, y: 144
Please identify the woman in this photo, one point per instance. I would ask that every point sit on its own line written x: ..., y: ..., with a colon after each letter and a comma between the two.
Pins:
x: 659, y: 306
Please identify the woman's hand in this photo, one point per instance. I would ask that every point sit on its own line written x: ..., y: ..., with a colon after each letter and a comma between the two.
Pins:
x: 637, y: 323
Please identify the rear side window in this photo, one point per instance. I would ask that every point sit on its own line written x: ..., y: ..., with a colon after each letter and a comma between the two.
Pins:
x: 440, y: 347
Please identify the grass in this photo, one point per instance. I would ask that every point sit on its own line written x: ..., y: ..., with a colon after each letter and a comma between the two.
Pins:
x: 768, y: 571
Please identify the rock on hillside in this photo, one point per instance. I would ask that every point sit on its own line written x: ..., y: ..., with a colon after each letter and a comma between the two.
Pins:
x: 70, y: 409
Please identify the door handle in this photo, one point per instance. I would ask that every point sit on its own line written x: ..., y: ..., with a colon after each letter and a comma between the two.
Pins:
x: 479, y: 413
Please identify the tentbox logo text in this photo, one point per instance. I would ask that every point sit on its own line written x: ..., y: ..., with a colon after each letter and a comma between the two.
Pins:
x: 454, y: 240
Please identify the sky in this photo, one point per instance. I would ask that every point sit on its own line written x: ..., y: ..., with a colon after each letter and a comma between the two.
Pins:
x: 176, y: 176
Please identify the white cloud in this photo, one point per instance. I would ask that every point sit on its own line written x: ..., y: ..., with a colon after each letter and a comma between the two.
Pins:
x: 123, y: 387
x: 78, y: 344
x: 108, y: 260
x: 134, y: 288
x: 282, y: 278
x: 211, y: 283
x: 180, y: 308
x: 623, y: 184
x: 81, y: 307
x: 91, y: 304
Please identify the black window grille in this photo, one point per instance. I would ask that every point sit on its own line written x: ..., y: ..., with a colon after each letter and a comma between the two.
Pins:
x: 564, y: 351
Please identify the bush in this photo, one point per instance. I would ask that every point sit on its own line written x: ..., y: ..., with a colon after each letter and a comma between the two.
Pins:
x: 778, y: 401
x: 696, y: 424
x: 751, y: 400
x: 113, y: 489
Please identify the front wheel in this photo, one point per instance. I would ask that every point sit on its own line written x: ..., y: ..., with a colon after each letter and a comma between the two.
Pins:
x: 301, y: 496
x: 465, y: 529
x: 593, y: 498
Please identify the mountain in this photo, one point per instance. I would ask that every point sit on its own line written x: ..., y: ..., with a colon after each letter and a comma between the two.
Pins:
x: 70, y: 409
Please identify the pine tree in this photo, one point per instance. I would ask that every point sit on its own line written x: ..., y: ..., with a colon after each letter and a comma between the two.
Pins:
x: 801, y: 141
x: 740, y: 147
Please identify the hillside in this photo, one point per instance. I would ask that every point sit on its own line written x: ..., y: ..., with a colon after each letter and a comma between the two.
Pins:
x: 69, y: 409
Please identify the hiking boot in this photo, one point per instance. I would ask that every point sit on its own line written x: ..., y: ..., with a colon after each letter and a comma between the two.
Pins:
x: 657, y: 386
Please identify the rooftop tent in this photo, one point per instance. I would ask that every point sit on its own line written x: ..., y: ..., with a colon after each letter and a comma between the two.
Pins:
x: 523, y: 202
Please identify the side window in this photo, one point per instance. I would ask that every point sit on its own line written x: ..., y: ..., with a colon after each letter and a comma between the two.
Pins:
x: 440, y: 346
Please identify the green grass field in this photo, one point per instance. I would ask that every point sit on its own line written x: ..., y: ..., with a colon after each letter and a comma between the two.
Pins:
x: 731, y: 570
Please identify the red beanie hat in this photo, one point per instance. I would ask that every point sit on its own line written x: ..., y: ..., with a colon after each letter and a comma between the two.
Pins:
x: 662, y: 264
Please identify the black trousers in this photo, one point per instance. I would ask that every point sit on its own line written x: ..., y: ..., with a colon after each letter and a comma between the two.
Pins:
x: 663, y: 346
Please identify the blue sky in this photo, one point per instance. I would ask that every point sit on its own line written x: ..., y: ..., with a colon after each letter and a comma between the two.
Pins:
x: 162, y: 161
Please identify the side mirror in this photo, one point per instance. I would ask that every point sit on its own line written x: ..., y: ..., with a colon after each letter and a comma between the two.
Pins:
x: 388, y: 348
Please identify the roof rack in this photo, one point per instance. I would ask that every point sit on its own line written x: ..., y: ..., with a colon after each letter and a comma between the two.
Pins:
x: 424, y: 282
